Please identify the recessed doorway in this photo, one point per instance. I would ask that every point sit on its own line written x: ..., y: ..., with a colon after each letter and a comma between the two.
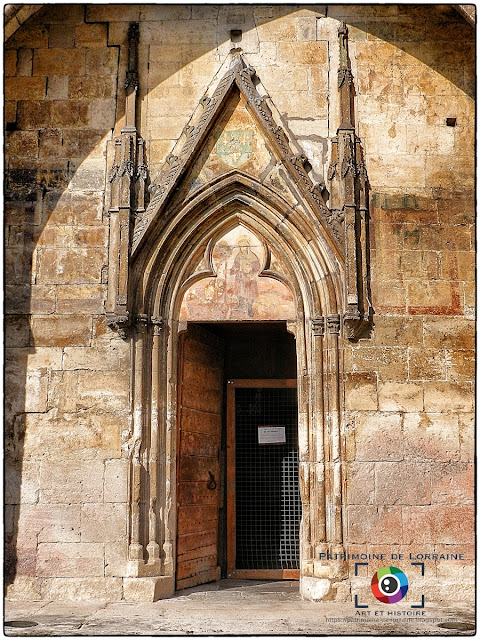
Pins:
x: 241, y: 513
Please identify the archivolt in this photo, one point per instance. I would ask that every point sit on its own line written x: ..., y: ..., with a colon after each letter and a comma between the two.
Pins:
x: 293, y: 233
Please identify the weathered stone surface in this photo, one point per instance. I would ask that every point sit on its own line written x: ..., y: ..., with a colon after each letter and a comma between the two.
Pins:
x: 147, y: 589
x: 361, y: 391
x: 48, y: 523
x: 21, y: 482
x: 400, y: 396
x: 64, y: 559
x: 373, y: 524
x: 70, y: 266
x: 426, y: 364
x: 91, y: 35
x: 116, y: 478
x: 83, y: 298
x: 34, y: 114
x: 58, y: 62
x: 27, y: 391
x: 453, y: 483
x: 390, y: 363
x: 71, y: 482
x: 75, y: 435
x: 17, y: 331
x: 10, y: 62
x: 448, y: 396
x: 460, y: 364
x: 378, y: 436
x: 24, y: 588
x: 61, y: 36
x: 100, y: 390
x: 466, y: 423
x: 82, y: 589
x: 75, y: 207
x: 438, y: 524
x: 10, y: 111
x: 401, y: 330
x: 100, y: 62
x: 25, y: 88
x: 389, y: 491
x: 116, y: 559
x: 431, y: 436
x: 104, y: 522
x: 71, y: 113
x: 449, y: 333
x: 360, y: 483
x: 61, y: 331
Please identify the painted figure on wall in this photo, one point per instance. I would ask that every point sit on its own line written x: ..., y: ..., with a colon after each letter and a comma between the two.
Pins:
x: 245, y: 268
x: 238, y: 292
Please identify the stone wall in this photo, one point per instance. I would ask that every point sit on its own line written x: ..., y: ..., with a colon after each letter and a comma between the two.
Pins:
x: 408, y: 390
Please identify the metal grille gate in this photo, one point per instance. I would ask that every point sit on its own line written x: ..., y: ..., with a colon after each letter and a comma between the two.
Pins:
x: 268, y: 504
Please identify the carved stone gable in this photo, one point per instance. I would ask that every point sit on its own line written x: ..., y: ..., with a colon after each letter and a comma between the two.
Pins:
x: 234, y: 149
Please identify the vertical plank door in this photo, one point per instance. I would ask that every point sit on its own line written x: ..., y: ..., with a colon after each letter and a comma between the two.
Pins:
x: 200, y: 423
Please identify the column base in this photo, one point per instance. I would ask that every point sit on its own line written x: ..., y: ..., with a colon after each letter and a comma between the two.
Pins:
x: 148, y: 589
x: 142, y: 569
x: 314, y: 589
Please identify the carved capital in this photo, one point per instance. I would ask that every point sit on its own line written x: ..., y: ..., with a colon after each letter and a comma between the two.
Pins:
x: 142, y: 172
x: 318, y: 327
x: 342, y: 29
x: 332, y: 170
x: 141, y: 322
x: 333, y: 324
x: 157, y: 325
x: 356, y: 325
x: 119, y: 323
x: 336, y: 216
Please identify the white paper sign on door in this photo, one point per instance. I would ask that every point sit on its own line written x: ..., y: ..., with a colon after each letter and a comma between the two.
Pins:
x: 271, y: 434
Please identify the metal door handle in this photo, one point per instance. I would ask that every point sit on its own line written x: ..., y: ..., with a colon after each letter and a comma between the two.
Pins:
x: 211, y: 484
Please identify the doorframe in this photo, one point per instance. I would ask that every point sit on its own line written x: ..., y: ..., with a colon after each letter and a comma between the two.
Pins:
x: 232, y: 572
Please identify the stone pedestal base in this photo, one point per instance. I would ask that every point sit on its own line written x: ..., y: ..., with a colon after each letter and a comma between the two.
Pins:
x: 148, y: 589
x: 314, y: 588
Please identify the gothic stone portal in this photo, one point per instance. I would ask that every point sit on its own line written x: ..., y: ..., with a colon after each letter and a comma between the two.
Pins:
x: 239, y: 274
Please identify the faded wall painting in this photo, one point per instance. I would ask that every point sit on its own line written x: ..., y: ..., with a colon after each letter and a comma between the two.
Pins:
x: 240, y: 288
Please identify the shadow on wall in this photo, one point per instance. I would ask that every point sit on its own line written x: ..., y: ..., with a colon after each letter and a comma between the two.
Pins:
x: 57, y: 128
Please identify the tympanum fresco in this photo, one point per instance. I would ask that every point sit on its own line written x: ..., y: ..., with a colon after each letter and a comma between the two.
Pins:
x: 238, y: 291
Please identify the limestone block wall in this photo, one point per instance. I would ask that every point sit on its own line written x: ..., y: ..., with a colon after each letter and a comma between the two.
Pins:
x: 408, y: 390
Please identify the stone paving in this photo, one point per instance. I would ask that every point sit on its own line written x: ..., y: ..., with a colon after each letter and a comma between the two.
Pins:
x: 227, y: 607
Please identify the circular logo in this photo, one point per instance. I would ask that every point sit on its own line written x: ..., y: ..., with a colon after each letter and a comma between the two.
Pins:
x: 389, y: 585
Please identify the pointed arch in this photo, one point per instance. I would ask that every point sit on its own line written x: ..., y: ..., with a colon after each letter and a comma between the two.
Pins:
x: 292, y: 231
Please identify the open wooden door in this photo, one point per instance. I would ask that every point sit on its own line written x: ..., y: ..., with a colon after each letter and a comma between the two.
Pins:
x: 200, y: 423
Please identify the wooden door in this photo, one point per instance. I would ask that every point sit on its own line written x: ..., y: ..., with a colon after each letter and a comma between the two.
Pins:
x: 198, y: 468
